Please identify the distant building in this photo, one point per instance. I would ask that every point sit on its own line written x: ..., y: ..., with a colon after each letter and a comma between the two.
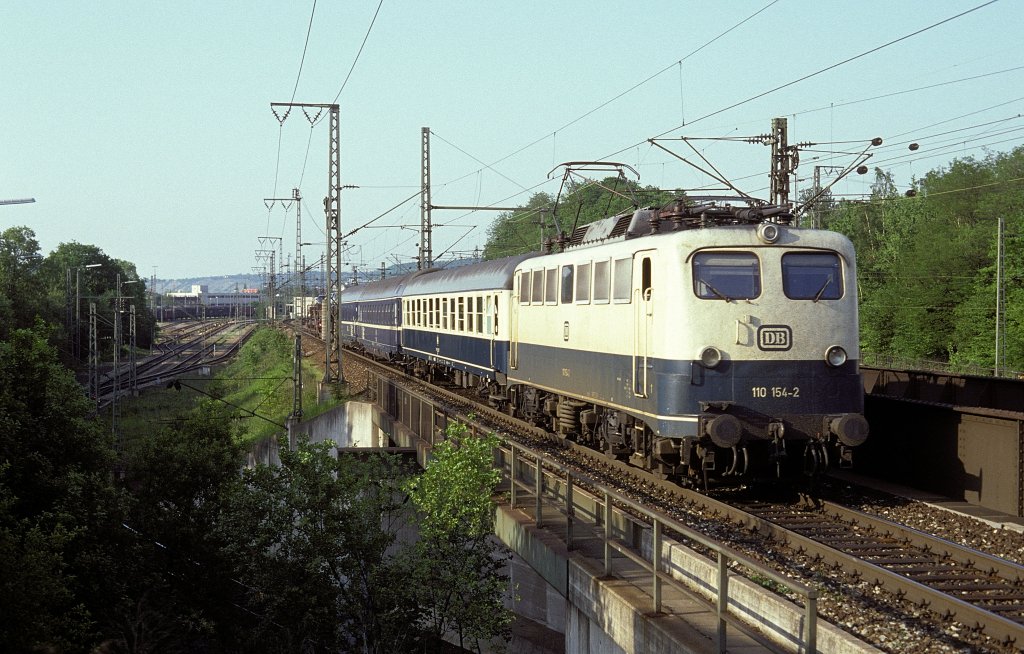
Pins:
x: 199, y: 302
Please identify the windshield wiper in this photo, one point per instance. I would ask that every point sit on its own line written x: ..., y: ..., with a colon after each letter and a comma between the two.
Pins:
x: 717, y: 292
x: 821, y: 291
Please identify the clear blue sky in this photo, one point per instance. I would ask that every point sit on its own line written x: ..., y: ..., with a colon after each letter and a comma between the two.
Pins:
x: 145, y: 128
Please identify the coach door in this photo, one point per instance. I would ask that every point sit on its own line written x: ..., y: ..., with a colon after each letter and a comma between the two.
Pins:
x: 643, y: 313
x: 513, y: 320
x: 491, y: 327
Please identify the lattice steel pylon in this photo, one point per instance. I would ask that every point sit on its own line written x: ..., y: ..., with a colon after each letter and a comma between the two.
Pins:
x: 94, y: 358
x: 426, y: 254
x: 297, y: 378
x: 133, y: 379
x: 333, y: 373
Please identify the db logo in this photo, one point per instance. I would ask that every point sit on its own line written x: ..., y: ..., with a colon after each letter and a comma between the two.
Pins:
x: 774, y: 337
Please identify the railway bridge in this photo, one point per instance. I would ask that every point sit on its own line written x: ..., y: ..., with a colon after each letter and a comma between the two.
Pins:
x: 957, y: 436
x: 593, y: 571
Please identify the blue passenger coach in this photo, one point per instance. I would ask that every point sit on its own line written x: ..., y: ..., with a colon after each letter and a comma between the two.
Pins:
x: 371, y: 315
x: 457, y: 319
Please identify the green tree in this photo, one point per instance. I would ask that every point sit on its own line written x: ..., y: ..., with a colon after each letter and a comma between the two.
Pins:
x: 60, y: 514
x: 20, y: 282
x: 312, y: 539
x: 581, y: 203
x: 178, y: 582
x: 458, y: 566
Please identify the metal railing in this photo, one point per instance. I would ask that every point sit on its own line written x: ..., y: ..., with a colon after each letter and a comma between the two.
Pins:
x: 620, y: 521
x: 896, y: 362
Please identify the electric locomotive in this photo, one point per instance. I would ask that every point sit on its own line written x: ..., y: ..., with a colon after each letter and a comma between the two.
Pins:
x: 695, y: 341
x: 698, y: 341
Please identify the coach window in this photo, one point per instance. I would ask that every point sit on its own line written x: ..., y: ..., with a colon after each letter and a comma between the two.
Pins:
x: 462, y: 314
x: 451, y: 313
x: 583, y: 283
x: 489, y: 319
x: 479, y: 315
x: 812, y: 276
x: 444, y: 313
x: 537, y: 295
x: 726, y: 276
x: 551, y: 286
x: 495, y: 314
x: 435, y: 320
x: 601, y: 279
x: 566, y: 285
x: 622, y: 285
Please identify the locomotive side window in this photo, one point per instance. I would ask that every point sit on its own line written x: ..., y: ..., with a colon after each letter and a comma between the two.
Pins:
x: 524, y: 287
x: 726, y: 276
x: 601, y: 280
x: 551, y: 286
x: 583, y: 283
x: 812, y: 276
x: 566, y: 285
x: 622, y: 284
x: 537, y: 295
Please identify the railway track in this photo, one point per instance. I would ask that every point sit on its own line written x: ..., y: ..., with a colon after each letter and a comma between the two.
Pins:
x: 190, y: 349
x: 981, y: 591
x: 955, y: 584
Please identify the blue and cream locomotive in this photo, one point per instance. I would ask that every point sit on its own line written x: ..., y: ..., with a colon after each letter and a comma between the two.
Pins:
x: 693, y: 341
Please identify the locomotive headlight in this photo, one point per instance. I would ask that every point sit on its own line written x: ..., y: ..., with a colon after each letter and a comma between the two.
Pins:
x: 710, y: 357
x: 835, y: 356
x: 768, y: 232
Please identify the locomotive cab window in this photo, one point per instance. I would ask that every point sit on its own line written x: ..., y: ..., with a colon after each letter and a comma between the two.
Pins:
x: 726, y: 276
x: 812, y: 276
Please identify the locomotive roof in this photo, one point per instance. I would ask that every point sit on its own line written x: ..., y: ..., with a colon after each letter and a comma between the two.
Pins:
x: 487, y: 275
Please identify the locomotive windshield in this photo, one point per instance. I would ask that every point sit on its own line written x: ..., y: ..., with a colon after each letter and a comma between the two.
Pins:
x: 812, y: 276
x: 726, y: 276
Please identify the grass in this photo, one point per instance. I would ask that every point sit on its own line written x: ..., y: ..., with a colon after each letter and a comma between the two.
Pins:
x: 258, y: 381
